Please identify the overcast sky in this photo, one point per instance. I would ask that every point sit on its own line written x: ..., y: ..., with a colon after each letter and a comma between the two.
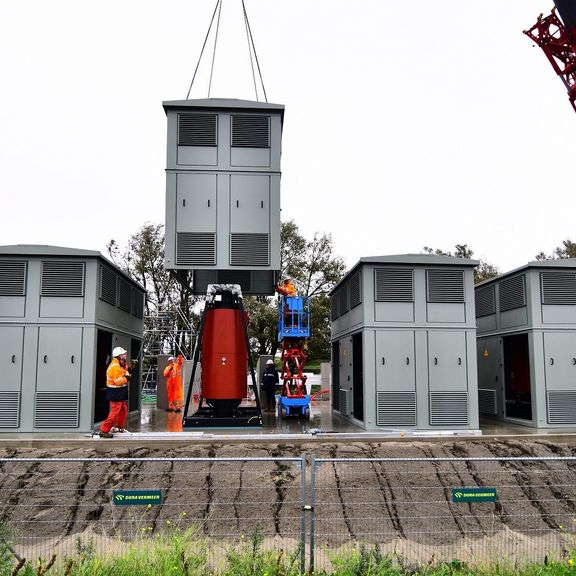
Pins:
x: 408, y: 124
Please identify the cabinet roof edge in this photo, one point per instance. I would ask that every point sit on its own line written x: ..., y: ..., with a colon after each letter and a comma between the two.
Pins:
x: 224, y: 103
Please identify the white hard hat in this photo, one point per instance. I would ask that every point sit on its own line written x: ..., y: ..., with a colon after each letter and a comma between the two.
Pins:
x: 118, y: 351
x: 171, y: 358
x: 269, y: 362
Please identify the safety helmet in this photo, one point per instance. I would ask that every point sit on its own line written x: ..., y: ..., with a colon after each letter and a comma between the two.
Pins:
x: 171, y: 359
x: 269, y: 362
x: 118, y: 351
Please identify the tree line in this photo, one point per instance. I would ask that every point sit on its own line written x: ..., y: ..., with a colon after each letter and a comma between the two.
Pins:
x: 172, y: 311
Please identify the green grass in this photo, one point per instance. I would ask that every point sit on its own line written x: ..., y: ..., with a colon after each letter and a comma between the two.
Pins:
x: 183, y: 553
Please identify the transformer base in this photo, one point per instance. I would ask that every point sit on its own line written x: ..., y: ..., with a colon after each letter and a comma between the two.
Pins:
x: 248, y: 417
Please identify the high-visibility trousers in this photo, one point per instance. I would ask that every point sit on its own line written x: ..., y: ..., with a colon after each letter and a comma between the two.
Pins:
x: 116, y: 417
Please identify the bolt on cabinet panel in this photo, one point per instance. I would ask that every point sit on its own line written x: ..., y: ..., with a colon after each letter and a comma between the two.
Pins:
x: 196, y: 206
x: 447, y: 360
x: 395, y: 365
x: 249, y: 203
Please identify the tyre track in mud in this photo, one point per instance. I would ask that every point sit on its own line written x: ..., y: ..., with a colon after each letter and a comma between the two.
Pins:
x: 347, y: 521
x: 522, y: 478
x: 389, y: 504
x: 209, y: 491
x: 446, y: 488
x: 281, y: 476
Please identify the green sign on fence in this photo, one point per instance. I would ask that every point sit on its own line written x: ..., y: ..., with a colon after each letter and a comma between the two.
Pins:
x: 473, y: 494
x: 137, y: 497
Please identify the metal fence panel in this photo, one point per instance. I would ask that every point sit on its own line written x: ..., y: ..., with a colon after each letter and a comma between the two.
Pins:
x: 67, y: 507
x: 408, y: 508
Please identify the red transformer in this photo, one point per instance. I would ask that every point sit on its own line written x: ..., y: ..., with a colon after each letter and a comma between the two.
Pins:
x: 222, y: 349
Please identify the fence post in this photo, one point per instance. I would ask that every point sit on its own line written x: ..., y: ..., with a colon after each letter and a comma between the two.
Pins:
x: 312, y: 508
x: 303, y: 509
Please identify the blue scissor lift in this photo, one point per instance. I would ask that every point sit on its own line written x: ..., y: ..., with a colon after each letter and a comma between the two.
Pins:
x: 293, y: 330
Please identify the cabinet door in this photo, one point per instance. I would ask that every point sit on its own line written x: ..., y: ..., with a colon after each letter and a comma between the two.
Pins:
x: 447, y: 361
x: 560, y: 361
x: 250, y: 204
x: 11, y: 350
x: 196, y: 203
x: 395, y: 366
x: 59, y: 358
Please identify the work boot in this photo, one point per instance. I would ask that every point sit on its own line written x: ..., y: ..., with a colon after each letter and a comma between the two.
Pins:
x: 177, y: 410
x: 105, y: 434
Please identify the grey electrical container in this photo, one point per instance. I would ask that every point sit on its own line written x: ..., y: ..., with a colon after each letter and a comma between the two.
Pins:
x: 403, y: 343
x: 62, y: 310
x: 223, y: 192
x: 526, y: 323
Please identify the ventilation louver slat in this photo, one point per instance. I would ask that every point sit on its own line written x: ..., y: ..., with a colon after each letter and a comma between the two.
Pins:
x: 562, y: 407
x: 107, y: 285
x: 355, y: 290
x: 558, y: 287
x: 487, y: 401
x: 62, y: 279
x: 197, y: 130
x: 334, y: 312
x: 9, y: 409
x: 12, y: 278
x: 196, y: 248
x: 56, y: 409
x: 137, y: 303
x: 249, y: 249
x: 250, y: 131
x: 512, y: 293
x: 396, y: 409
x: 394, y: 285
x: 124, y: 296
x: 343, y: 300
x: 343, y: 402
x: 485, y: 301
x: 448, y: 408
x: 445, y: 286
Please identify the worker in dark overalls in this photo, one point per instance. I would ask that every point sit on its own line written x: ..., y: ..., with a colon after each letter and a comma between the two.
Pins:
x: 270, y: 380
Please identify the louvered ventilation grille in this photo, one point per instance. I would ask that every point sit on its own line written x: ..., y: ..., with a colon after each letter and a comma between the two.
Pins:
x: 512, y: 293
x: 107, y: 285
x: 62, y: 279
x: 137, y: 303
x: 343, y: 300
x: 394, y: 285
x: 562, y: 407
x: 334, y: 306
x: 197, y: 130
x: 445, y: 286
x: 485, y: 301
x: 487, y: 401
x: 355, y: 290
x: 9, y: 409
x: 343, y: 402
x: 249, y: 249
x: 448, y: 408
x: 396, y: 409
x: 12, y: 278
x: 196, y: 248
x: 124, y: 296
x: 251, y: 131
x: 56, y: 409
x: 558, y: 287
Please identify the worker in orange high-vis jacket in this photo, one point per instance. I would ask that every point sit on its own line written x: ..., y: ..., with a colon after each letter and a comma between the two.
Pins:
x: 287, y: 288
x: 117, y: 378
x: 173, y: 375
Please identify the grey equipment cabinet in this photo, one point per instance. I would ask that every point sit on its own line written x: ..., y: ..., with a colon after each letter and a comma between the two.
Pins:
x: 403, y: 343
x: 223, y: 192
x: 62, y: 311
x: 527, y: 345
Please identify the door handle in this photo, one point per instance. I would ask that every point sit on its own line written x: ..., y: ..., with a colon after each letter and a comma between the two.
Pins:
x: 551, y: 361
x: 407, y: 361
x: 45, y: 359
x: 13, y: 358
x: 261, y: 203
x: 184, y: 202
x: 72, y: 359
x: 435, y: 361
x: 459, y: 361
x: 208, y: 203
x: 383, y: 360
x: 237, y: 203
